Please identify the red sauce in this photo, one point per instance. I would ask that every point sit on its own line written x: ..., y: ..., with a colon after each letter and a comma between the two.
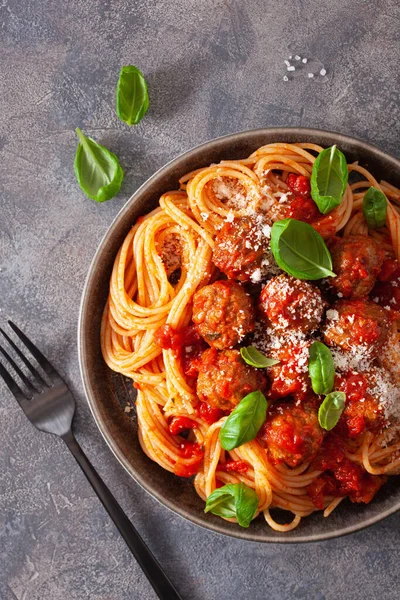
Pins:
x: 173, y: 339
x: 235, y: 466
x: 185, y: 343
x: 362, y: 412
x: 191, y: 450
x: 287, y: 378
x: 322, y: 485
x: 299, y: 184
x: 390, y: 269
x: 354, y: 385
x: 208, y: 413
x: 330, y: 454
x: 179, y: 424
x: 301, y: 206
x: 303, y: 209
x: 342, y: 477
x: 387, y: 289
x: 326, y: 225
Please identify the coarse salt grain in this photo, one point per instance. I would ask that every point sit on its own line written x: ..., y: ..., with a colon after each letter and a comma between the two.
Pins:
x: 310, y: 75
x: 297, y: 57
x: 285, y: 78
x: 304, y: 61
x: 291, y: 68
x: 287, y: 63
x: 322, y: 72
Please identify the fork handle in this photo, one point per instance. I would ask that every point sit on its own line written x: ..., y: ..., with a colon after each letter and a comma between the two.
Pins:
x: 151, y: 568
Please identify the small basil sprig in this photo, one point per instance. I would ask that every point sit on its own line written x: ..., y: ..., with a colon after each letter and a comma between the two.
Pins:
x: 300, y: 250
x: 244, y: 422
x: 234, y: 500
x: 329, y: 179
x: 374, y: 208
x: 97, y: 170
x: 253, y: 357
x: 321, y: 368
x: 330, y: 410
x: 132, y: 98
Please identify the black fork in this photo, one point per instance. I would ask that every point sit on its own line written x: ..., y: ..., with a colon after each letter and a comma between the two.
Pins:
x: 50, y: 408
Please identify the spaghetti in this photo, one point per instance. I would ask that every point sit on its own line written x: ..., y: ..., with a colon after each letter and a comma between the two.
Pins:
x: 147, y: 329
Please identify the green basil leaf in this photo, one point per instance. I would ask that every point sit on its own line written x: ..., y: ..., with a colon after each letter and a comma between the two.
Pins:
x: 300, y: 250
x: 329, y: 179
x: 253, y: 357
x: 330, y: 410
x: 97, y: 170
x: 374, y: 207
x: 132, y: 95
x: 244, y: 422
x: 321, y: 368
x: 222, y: 502
x: 234, y: 500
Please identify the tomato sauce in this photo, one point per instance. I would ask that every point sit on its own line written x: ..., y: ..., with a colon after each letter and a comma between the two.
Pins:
x: 233, y: 466
x: 287, y: 377
x: 179, y: 424
x: 186, y: 344
x: 191, y: 450
x: 387, y: 289
x: 341, y: 476
x: 362, y: 412
x: 208, y: 413
x: 301, y: 207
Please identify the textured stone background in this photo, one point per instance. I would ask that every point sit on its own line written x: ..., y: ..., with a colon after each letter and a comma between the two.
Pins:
x: 213, y: 67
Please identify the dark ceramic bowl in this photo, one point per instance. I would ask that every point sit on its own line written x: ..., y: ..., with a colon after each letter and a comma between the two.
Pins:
x: 109, y: 392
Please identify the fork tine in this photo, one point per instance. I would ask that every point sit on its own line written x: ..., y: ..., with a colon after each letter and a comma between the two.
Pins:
x: 42, y: 360
x: 14, y: 388
x: 18, y: 371
x: 32, y: 369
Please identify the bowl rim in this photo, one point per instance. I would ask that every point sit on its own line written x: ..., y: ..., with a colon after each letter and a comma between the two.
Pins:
x: 222, y: 141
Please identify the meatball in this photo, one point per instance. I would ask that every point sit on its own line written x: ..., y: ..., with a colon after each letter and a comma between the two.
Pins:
x: 363, y: 411
x: 357, y: 324
x: 292, y: 433
x: 240, y: 247
x: 290, y: 376
x: 289, y: 303
x: 224, y: 378
x: 356, y: 260
x: 223, y: 313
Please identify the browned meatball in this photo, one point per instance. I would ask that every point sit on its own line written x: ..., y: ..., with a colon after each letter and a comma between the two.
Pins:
x: 240, y: 247
x: 363, y: 410
x: 356, y: 324
x: 289, y: 303
x: 290, y: 376
x: 224, y: 378
x: 223, y: 313
x: 357, y: 260
x: 292, y: 433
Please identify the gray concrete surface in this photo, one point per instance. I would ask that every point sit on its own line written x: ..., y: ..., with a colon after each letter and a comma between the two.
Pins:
x: 213, y: 67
